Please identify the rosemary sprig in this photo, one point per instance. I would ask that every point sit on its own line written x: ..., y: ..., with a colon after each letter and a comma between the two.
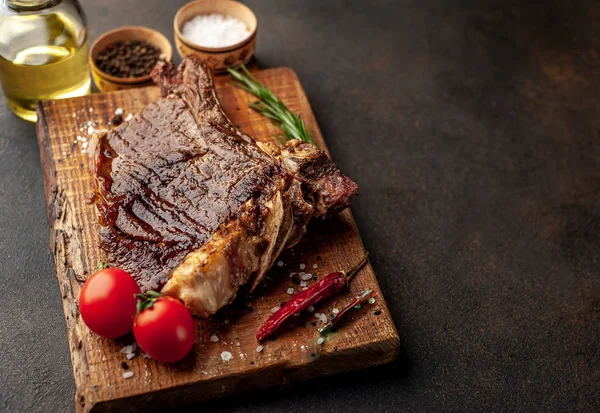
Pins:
x: 268, y: 105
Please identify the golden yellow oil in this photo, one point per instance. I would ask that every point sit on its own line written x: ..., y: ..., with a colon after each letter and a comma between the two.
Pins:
x: 47, y: 59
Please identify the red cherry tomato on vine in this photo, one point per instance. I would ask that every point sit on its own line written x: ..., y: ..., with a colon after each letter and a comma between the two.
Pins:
x: 164, y: 328
x: 107, y: 302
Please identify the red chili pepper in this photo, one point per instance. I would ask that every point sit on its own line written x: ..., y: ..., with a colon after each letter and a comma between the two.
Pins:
x: 359, y: 299
x: 325, y: 287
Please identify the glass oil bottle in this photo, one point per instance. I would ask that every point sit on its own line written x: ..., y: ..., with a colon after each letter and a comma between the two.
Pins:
x: 43, y: 52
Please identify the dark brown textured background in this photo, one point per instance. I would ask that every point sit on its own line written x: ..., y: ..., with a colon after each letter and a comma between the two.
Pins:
x: 473, y: 129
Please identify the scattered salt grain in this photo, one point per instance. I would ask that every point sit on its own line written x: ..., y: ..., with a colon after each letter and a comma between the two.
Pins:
x: 274, y: 309
x: 290, y: 290
x: 129, y: 117
x: 259, y: 349
x: 317, y: 315
x: 215, y: 30
x: 130, y: 355
x: 315, y: 266
x: 303, y: 284
x: 118, y: 111
x: 84, y: 145
x: 320, y: 340
x: 304, y: 288
x: 214, y: 339
x: 292, y: 274
x: 127, y: 349
x: 357, y: 306
x: 306, y: 277
x: 146, y: 356
x: 310, y: 308
x: 128, y: 374
x: 280, y: 263
x: 335, y: 311
x: 226, y: 356
x: 302, y: 266
x: 371, y: 301
x: 237, y: 344
x: 323, y: 318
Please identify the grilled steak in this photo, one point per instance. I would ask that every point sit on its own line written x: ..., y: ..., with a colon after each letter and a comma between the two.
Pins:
x: 188, y: 203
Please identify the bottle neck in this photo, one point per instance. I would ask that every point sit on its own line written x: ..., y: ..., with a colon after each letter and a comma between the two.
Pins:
x: 28, y: 5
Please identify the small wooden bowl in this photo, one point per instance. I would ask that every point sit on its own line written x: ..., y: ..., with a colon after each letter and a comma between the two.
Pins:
x: 218, y: 58
x: 108, y: 83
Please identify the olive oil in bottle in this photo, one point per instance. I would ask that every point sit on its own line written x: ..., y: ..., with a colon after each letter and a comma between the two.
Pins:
x: 43, y: 52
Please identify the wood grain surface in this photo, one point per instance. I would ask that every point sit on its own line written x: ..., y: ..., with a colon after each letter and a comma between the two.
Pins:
x: 367, y: 337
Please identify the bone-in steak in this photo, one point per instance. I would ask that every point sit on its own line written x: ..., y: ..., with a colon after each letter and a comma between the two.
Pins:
x: 182, y: 194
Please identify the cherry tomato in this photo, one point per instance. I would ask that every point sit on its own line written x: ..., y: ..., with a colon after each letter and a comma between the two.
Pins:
x: 165, y: 331
x: 107, y: 302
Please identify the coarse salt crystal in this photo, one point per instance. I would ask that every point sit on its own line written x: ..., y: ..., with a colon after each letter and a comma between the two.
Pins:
x: 310, y: 308
x: 90, y: 130
x: 280, y: 263
x: 84, y: 145
x: 129, y: 117
x: 128, y: 374
x: 274, y: 309
x: 371, y: 301
x: 118, y: 111
x: 306, y: 277
x: 323, y: 318
x: 302, y: 283
x: 317, y: 315
x: 292, y: 274
x: 290, y: 290
x: 357, y: 306
x: 259, y: 349
x: 127, y: 349
x: 335, y: 311
x: 320, y: 340
x: 304, y: 288
x: 130, y: 356
x: 214, y: 338
x: 226, y: 356
x: 315, y: 266
x: 302, y: 266
x: 215, y: 30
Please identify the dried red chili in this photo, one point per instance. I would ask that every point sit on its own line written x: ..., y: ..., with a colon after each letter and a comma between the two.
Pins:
x: 358, y: 300
x: 325, y: 287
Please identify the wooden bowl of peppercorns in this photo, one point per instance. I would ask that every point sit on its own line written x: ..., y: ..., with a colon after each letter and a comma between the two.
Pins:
x: 123, y: 58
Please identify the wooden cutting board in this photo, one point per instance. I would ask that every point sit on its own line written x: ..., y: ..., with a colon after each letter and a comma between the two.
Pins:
x: 367, y: 336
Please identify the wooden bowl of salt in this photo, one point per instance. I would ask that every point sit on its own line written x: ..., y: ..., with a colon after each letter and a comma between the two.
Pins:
x: 221, y: 32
